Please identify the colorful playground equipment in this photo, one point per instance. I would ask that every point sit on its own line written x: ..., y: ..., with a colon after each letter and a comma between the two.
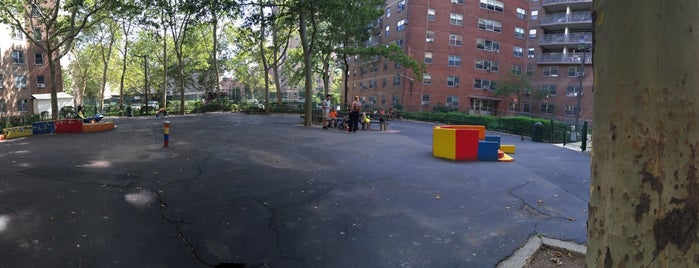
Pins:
x: 468, y: 143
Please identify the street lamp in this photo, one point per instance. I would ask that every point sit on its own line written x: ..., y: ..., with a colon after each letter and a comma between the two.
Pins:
x: 412, y: 80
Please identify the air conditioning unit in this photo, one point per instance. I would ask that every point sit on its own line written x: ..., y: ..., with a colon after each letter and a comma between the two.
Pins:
x: 40, y: 85
x: 497, y: 50
x: 486, y: 87
x: 456, y: 84
x: 425, y: 102
x: 580, y: 74
x: 429, y: 40
x: 554, y: 75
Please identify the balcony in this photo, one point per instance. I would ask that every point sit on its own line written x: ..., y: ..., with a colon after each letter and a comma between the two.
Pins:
x: 561, y: 5
x: 560, y: 40
x: 573, y: 21
x: 564, y: 58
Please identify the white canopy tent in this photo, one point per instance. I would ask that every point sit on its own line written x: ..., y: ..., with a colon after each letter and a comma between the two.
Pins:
x: 42, y: 102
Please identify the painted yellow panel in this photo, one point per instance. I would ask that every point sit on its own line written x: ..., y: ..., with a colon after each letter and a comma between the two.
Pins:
x: 444, y: 142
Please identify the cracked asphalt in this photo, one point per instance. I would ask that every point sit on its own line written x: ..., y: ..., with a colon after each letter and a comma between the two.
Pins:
x: 264, y: 191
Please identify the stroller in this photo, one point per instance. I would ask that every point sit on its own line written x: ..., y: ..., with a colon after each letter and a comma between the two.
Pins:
x: 343, y: 122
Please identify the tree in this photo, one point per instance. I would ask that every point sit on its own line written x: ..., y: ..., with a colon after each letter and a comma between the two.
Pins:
x: 61, y: 22
x: 516, y: 88
x: 644, y: 195
x: 178, y: 16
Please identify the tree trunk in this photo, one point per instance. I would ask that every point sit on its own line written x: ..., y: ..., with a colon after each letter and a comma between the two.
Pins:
x: 263, y: 55
x: 162, y: 19
x: 306, y: 68
x: 214, y: 55
x: 52, y: 77
x: 644, y: 196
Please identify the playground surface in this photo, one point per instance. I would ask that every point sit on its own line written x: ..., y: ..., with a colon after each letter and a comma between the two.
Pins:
x: 263, y: 190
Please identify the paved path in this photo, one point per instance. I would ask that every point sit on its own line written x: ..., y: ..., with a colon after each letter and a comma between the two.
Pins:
x: 266, y: 191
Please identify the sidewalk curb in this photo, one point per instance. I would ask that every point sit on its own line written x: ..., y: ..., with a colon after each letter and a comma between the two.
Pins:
x: 522, y: 255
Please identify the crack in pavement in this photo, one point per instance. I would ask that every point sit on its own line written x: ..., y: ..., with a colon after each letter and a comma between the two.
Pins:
x: 179, y: 231
x: 532, y: 210
x: 272, y: 220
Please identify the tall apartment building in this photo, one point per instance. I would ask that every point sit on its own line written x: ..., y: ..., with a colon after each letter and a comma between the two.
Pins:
x: 470, y: 45
x: 24, y: 71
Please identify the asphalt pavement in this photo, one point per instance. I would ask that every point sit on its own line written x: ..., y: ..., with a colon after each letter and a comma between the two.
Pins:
x: 237, y: 190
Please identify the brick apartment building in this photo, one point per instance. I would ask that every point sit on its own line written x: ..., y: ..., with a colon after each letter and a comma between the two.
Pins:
x: 24, y: 72
x: 469, y: 45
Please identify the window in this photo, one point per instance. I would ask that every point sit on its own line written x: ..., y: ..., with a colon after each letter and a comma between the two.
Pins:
x: 575, y: 71
x: 546, y: 108
x: 490, y: 25
x: 35, y: 12
x: 487, y: 65
x: 385, y: 65
x: 429, y: 36
x: 383, y: 82
x: 488, y: 45
x: 521, y: 13
x: 492, y: 5
x: 517, y: 52
x: 428, y: 57
x: 549, y: 89
x: 40, y: 81
x: 399, y: 43
x: 483, y: 84
x: 395, y: 99
x: 22, y: 106
x: 455, y: 40
x: 18, y: 57
x: 456, y: 19
x: 401, y: 5
x: 534, y: 14
x: 17, y: 33
x: 38, y: 58
x: 454, y: 61
x: 530, y: 70
x: 20, y: 81
x: 431, y: 14
x: 2, y: 106
x: 425, y: 100
x: 401, y: 25
x: 452, y: 101
x: 396, y: 80
x: 571, y: 110
x: 452, y: 81
x: 388, y: 29
x: 573, y: 90
x: 513, y: 107
x: 37, y: 34
x: 460, y: 2
x: 550, y: 71
x: 2, y: 82
x: 517, y: 70
x: 532, y: 33
x: 519, y: 32
x: 530, y: 52
x: 526, y: 107
x: 427, y: 79
x: 372, y: 99
x: 388, y: 12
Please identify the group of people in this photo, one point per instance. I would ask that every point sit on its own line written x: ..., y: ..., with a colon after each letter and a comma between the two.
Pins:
x: 355, y: 115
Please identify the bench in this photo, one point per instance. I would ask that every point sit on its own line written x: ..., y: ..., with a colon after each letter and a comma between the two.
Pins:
x: 377, y: 119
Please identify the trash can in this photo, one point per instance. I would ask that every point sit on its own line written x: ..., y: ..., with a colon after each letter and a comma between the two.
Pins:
x: 129, y: 111
x: 537, y: 132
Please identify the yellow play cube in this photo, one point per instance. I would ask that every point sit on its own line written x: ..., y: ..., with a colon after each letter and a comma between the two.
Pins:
x: 507, y: 148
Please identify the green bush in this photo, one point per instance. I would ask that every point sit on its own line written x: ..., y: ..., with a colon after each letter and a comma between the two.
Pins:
x: 518, y: 125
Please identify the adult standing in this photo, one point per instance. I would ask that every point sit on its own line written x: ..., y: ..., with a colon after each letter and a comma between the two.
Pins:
x: 355, y: 108
x: 325, y: 106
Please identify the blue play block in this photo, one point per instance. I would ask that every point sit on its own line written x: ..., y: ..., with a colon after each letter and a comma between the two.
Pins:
x: 493, y: 138
x: 45, y: 127
x: 488, y: 150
